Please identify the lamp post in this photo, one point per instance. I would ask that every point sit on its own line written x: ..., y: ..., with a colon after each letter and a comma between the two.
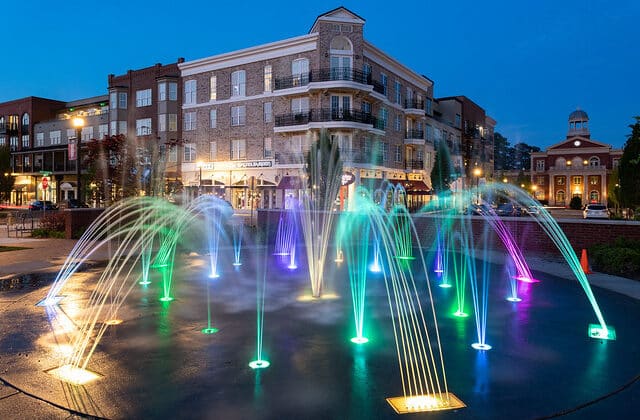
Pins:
x: 477, y: 172
x: 199, y: 164
x: 78, y: 123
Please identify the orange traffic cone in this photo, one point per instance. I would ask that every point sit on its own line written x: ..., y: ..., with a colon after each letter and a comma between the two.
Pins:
x: 584, y: 262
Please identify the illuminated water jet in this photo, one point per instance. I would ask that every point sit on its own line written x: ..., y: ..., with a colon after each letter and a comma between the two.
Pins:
x: 259, y: 364
x: 359, y: 340
x: 425, y: 403
x: 481, y: 346
x: 73, y: 374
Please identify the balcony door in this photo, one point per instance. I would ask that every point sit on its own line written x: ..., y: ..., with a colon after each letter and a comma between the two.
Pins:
x: 341, y: 60
x: 340, y: 106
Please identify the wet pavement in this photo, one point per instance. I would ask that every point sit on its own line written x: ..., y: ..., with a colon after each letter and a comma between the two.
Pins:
x: 157, y: 363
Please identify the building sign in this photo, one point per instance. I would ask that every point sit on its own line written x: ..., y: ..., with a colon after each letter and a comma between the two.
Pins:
x: 254, y: 164
x: 348, y: 178
x: 71, y: 150
x: 240, y: 164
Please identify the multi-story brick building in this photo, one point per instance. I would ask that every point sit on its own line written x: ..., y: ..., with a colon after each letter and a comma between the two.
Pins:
x: 575, y: 167
x: 250, y: 115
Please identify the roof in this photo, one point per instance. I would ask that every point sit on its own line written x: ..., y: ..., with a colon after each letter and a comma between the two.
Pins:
x: 578, y: 114
x: 338, y: 14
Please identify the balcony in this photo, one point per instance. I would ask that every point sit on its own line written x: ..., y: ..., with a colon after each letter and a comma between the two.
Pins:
x: 323, y: 115
x: 292, y: 81
x: 336, y: 74
x: 414, y: 137
x: 414, y: 106
x: 414, y: 164
x: 290, y: 158
x: 361, y: 156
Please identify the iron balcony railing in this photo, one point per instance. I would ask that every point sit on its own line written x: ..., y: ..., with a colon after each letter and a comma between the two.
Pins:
x: 414, y: 164
x: 414, y: 134
x: 327, y: 75
x: 413, y: 104
x: 324, y: 115
x: 361, y: 156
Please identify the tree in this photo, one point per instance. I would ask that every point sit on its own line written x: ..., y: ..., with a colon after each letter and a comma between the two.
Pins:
x: 500, y: 152
x: 112, y: 167
x: 522, y: 156
x: 613, y: 189
x: 629, y: 168
x: 441, y: 173
x: 6, y: 179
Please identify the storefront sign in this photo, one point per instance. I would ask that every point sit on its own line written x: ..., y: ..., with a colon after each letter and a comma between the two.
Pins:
x: 348, y: 178
x: 242, y: 164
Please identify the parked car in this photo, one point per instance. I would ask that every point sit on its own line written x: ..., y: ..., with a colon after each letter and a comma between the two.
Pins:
x: 508, y: 209
x: 43, y: 205
x: 532, y: 210
x: 479, y: 210
x: 595, y: 211
x: 73, y: 203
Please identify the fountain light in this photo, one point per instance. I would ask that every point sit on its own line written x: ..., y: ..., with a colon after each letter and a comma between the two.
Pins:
x: 259, y: 364
x: 596, y: 331
x: 324, y: 296
x: 166, y: 299
x: 481, y: 346
x: 113, y: 321
x: 237, y: 264
x: 144, y: 282
x: 445, y: 285
x: 209, y: 330
x: 525, y: 279
x: 73, y: 374
x: 292, y: 267
x: 359, y: 340
x: 214, y: 275
x: 514, y: 299
x: 460, y: 314
x: 425, y: 402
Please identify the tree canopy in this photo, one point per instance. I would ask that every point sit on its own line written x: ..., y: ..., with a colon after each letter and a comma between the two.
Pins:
x: 441, y: 174
x: 629, y: 168
x: 6, y: 179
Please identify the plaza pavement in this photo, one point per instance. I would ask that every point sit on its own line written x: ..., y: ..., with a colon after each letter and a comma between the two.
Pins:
x: 45, y: 256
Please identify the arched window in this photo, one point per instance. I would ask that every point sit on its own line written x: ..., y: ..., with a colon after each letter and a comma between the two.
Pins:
x: 560, y: 197
x: 576, y: 162
x: 594, y: 161
x: 561, y: 163
x: 1, y: 120
x: 25, y: 120
x: 341, y: 60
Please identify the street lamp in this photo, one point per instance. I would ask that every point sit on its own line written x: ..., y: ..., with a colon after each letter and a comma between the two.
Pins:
x: 534, y: 188
x: 199, y: 164
x: 78, y: 123
x: 477, y: 172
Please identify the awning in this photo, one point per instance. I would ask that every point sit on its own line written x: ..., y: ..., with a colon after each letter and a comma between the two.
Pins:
x: 291, y: 183
x: 413, y: 187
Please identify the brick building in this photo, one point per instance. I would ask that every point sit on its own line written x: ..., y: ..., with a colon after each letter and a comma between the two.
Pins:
x: 250, y: 115
x: 578, y: 166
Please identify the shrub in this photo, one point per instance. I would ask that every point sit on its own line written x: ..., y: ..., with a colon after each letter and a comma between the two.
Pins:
x: 575, y: 203
x: 53, y: 221
x: 622, y: 258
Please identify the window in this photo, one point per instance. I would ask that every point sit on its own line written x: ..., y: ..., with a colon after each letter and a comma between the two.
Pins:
x: 560, y: 196
x: 340, y: 105
x: 300, y: 71
x: 428, y: 132
x: 268, y: 111
x: 540, y: 180
x: 25, y: 141
x: 366, y: 107
x: 162, y: 91
x: 366, y: 146
x: 162, y: 123
x: 213, y: 118
x: 189, y: 152
x: 410, y: 95
x: 143, y: 98
x: 539, y: 165
x: 384, y: 116
x: 300, y: 105
x: 190, y: 92
x: 103, y: 131
x: 238, y: 115
x: 213, y: 88
x: 122, y: 100
x: 113, y: 128
x: 398, y: 123
x: 189, y: 121
x: 54, y: 137
x: 238, y: 149
x: 122, y: 127
x: 428, y: 104
x: 559, y: 180
x: 594, y: 196
x: 173, y: 91
x: 13, y: 142
x: 173, y: 154
x: 87, y: 133
x: 576, y: 180
x: 594, y: 161
x: 71, y: 133
x: 238, y: 83
x: 458, y: 120
x: 173, y: 122
x: 113, y: 99
x: 267, y: 79
x: 594, y: 180
x: 383, y: 81
x: 398, y: 153
x: 39, y: 139
x: 143, y: 127
x: 213, y: 150
x: 385, y: 151
x: 366, y: 69
x: 25, y: 120
x: 398, y: 91
x: 268, y: 151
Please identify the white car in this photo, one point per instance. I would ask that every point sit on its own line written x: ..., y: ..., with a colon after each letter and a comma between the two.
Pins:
x: 595, y: 211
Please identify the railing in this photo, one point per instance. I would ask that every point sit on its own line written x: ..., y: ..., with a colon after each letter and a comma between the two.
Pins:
x: 292, y: 81
x: 348, y: 74
x: 414, y: 134
x: 414, y: 164
x: 324, y: 115
x: 360, y: 156
x: 414, y: 104
x: 289, y: 157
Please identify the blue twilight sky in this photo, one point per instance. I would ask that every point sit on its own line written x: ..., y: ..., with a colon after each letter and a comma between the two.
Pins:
x: 529, y: 64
